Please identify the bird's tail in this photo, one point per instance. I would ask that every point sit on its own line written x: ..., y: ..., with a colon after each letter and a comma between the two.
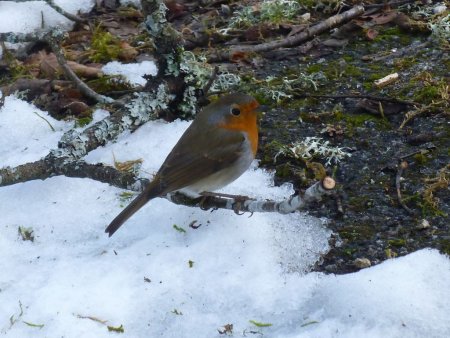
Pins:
x: 149, y: 193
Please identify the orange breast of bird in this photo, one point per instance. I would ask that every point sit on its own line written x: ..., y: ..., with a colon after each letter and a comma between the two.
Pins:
x: 246, y: 122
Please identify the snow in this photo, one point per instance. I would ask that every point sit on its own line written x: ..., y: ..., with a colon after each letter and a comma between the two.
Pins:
x: 132, y: 72
x: 26, y: 130
x: 25, y: 17
x: 242, y: 268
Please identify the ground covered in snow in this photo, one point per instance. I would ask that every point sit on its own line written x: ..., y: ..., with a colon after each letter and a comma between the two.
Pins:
x: 157, y: 276
x: 156, y: 279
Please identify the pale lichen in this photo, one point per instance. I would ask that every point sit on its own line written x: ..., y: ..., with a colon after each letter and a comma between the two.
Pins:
x: 271, y: 11
x: 278, y: 89
x: 156, y: 21
x: 440, y: 29
x: 314, y: 147
x: 145, y: 105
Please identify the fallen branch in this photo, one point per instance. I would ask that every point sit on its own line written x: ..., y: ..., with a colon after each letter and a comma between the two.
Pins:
x: 290, y: 41
x: 237, y: 204
x: 50, y: 167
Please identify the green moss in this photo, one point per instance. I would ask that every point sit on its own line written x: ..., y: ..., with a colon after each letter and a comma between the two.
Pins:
x: 314, y: 68
x: 444, y: 246
x: 27, y: 234
x: 360, y: 203
x: 421, y: 158
x: 430, y: 209
x: 393, y: 34
x: 109, y: 83
x: 104, y: 46
x: 353, y: 71
x: 283, y: 170
x: 426, y: 94
x: 308, y: 4
x: 358, y: 120
x: 404, y: 63
x: 349, y: 251
x: 397, y: 242
x: 263, y: 99
x: 16, y: 69
x: 348, y: 58
x: 356, y: 232
x: 118, y: 329
x: 83, y: 121
x: 178, y: 228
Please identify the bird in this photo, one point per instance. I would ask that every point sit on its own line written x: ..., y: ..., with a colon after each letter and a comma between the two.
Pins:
x: 217, y: 148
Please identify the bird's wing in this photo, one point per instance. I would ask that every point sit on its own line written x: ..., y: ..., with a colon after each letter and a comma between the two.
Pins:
x: 199, y: 154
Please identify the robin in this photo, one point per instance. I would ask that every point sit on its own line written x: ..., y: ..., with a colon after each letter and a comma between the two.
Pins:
x: 216, y: 149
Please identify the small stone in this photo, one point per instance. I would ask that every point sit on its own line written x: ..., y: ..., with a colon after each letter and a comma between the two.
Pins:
x: 331, y: 268
x: 423, y: 225
x: 362, y: 263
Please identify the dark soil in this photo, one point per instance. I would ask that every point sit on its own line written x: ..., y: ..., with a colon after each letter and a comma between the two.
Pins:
x: 373, y: 224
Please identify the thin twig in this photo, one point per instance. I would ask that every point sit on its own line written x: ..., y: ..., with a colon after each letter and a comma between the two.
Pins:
x: 51, y: 127
x: 211, y: 80
x: 420, y: 151
x: 82, y: 87
x: 68, y: 15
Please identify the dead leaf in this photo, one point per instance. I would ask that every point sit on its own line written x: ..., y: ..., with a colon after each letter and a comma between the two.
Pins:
x: 78, y: 37
x: 259, y: 32
x: 49, y: 66
x: 238, y: 56
x: 383, y: 17
x: 371, y: 34
x: 51, y: 69
x: 127, y: 52
x: 88, y: 72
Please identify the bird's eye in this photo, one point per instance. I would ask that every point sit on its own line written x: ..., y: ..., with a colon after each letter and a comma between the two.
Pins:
x: 235, y: 111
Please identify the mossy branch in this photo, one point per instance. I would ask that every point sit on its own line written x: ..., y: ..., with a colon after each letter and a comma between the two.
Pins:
x: 291, y: 41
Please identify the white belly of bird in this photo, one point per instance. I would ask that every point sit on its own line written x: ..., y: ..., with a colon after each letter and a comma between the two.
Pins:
x: 221, y: 178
